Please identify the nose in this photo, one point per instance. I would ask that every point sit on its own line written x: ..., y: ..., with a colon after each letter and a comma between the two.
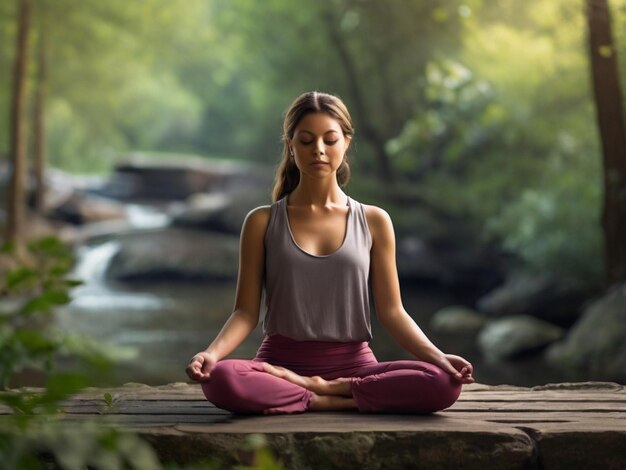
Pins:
x: 318, y: 149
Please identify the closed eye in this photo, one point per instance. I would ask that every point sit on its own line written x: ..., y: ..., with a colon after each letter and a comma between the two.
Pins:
x: 327, y: 142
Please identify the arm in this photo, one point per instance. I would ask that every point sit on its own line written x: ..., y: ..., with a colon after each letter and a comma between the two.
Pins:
x: 245, y: 315
x: 388, y: 302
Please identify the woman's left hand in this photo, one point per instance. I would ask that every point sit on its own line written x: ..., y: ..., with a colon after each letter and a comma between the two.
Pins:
x: 457, y: 367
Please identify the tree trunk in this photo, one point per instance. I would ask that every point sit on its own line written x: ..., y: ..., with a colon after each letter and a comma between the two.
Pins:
x: 40, y: 124
x: 16, y: 201
x: 370, y: 133
x: 610, y: 113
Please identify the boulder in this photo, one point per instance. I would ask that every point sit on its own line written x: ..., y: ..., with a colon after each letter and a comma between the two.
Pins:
x: 81, y: 208
x: 513, y: 336
x: 219, y: 212
x: 457, y: 319
x: 177, y: 177
x: 539, y: 295
x: 447, y: 263
x: 417, y: 261
x: 596, y: 345
x: 174, y: 254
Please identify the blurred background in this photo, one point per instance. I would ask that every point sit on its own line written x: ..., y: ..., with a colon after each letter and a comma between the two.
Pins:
x: 151, y: 128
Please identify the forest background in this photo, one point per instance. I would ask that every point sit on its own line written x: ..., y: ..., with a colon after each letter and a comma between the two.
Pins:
x: 483, y: 108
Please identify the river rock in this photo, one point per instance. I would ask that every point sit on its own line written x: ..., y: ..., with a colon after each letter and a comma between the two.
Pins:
x: 175, y: 254
x: 81, y: 208
x: 177, y: 177
x: 538, y: 295
x: 447, y: 263
x: 417, y: 261
x: 219, y: 212
x: 513, y: 336
x: 596, y: 345
x: 457, y: 319
x: 157, y: 181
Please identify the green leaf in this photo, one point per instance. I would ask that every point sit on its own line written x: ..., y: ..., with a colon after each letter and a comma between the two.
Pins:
x: 73, y: 282
x: 20, y: 276
x: 50, y: 245
x: 7, y: 247
x: 108, y: 399
x: 45, y: 302
x: 60, y: 386
x: 34, y: 342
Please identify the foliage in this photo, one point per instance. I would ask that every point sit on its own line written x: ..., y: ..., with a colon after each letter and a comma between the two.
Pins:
x: 81, y: 445
x: 460, y: 117
x: 264, y: 458
x: 553, y: 226
x: 507, y: 136
x: 214, y: 77
x: 35, y: 435
x: 28, y: 341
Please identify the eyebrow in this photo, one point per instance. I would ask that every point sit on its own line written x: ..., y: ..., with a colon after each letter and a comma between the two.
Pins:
x: 328, y: 131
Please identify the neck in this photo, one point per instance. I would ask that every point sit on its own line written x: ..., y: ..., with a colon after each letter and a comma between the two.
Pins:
x: 317, y: 193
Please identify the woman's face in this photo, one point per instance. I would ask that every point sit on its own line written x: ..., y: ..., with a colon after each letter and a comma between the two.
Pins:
x: 318, y: 145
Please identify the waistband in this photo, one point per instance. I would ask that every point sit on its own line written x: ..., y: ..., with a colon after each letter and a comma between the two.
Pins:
x: 314, y: 357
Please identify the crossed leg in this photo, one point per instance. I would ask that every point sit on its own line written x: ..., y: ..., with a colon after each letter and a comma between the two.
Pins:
x: 402, y: 386
x: 249, y: 386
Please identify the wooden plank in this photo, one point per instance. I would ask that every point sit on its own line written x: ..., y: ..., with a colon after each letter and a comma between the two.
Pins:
x: 541, y: 406
x: 185, y: 403
x: 164, y: 407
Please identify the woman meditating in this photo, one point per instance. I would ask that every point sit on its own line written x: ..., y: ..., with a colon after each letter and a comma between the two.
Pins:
x: 317, y: 251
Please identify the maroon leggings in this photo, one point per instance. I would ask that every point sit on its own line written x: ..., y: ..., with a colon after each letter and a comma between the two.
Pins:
x: 406, y: 386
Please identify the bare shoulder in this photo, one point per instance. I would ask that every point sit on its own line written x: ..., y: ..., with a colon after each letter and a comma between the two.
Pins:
x: 257, y: 219
x: 378, y: 220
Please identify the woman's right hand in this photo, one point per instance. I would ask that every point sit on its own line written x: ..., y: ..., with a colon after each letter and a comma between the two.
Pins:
x: 200, y: 366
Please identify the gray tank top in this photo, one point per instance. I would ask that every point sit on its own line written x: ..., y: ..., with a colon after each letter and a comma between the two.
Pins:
x: 323, y: 298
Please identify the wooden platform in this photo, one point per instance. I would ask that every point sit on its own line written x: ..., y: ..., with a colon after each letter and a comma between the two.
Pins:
x: 557, y: 426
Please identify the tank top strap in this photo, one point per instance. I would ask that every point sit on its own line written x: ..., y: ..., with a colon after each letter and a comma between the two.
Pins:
x: 275, y: 221
x: 360, y: 228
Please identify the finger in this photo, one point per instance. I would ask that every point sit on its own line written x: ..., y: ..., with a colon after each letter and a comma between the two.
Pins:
x: 194, y: 369
x: 469, y: 379
x: 198, y: 376
x: 452, y: 371
x: 206, y: 367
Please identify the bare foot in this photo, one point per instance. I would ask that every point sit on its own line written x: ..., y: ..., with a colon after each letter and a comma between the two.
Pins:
x: 331, y: 403
x: 341, y: 386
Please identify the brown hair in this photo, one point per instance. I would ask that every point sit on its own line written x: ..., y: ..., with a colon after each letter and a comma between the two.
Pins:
x: 287, y: 174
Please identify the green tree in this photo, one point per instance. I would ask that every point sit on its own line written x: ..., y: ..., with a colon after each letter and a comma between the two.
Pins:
x: 612, y: 129
x: 344, y: 47
x: 17, y: 134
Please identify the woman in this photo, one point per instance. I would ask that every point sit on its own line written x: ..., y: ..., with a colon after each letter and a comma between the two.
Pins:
x: 315, y: 250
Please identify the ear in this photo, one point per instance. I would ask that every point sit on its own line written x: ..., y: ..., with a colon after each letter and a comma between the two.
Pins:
x: 347, y: 143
